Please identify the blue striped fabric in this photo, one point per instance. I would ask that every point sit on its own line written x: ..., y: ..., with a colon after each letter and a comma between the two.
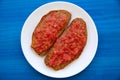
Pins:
x: 105, y: 65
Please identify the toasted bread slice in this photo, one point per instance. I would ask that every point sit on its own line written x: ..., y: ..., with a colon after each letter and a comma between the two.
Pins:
x: 49, y: 29
x: 68, y: 46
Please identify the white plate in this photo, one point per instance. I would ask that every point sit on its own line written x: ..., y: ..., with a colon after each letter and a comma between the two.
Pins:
x: 37, y: 62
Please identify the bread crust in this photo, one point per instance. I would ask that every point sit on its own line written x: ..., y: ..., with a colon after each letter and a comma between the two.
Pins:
x: 64, y: 64
x: 41, y: 23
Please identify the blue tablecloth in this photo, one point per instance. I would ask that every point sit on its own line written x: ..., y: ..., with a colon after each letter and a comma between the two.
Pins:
x: 105, y: 65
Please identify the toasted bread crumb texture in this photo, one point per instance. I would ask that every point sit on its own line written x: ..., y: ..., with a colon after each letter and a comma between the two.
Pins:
x: 47, y: 30
x: 69, y: 46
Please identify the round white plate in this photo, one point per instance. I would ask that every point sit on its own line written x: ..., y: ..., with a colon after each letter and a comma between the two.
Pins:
x: 37, y: 62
